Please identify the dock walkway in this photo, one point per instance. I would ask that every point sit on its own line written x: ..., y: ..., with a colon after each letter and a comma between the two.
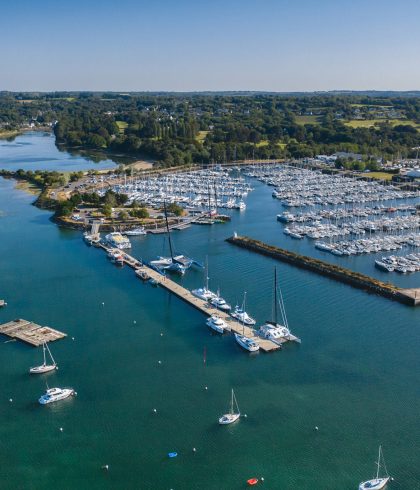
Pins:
x: 201, y: 305
x: 30, y: 332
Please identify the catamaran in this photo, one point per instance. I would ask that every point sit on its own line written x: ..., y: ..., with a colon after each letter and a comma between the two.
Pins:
x: 56, y: 394
x: 115, y: 239
x: 272, y: 330
x: 377, y: 483
x: 216, y: 323
x: 44, y: 367
x: 175, y: 263
x: 232, y: 416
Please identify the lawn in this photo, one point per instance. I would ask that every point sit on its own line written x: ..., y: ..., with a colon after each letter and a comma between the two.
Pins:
x: 368, y: 123
x: 121, y: 126
x: 201, y: 136
x: 378, y: 175
x: 307, y: 120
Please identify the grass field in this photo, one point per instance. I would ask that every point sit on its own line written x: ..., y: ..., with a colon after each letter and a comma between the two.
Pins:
x: 368, y: 123
x: 307, y: 120
x: 378, y: 175
x: 201, y: 136
x: 266, y: 143
x: 121, y: 126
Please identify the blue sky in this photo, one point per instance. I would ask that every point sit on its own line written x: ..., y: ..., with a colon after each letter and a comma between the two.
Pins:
x: 183, y: 45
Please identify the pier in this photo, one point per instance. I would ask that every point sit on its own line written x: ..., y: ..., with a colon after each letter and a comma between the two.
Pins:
x: 30, y: 332
x: 361, y: 281
x: 143, y: 271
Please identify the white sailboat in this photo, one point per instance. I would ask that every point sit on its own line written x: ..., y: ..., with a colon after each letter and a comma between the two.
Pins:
x: 247, y: 343
x: 44, y: 367
x: 204, y: 293
x: 232, y: 416
x: 378, y: 482
x: 241, y: 315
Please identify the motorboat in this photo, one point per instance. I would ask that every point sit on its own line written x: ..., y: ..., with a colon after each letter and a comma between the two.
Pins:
x: 56, y: 394
x: 242, y: 316
x: 135, y: 231
x: 220, y: 303
x: 44, y: 367
x: 216, y: 323
x: 233, y: 414
x: 247, y: 343
x: 115, y: 239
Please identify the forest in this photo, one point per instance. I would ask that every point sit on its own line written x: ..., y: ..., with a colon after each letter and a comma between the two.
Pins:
x: 177, y: 129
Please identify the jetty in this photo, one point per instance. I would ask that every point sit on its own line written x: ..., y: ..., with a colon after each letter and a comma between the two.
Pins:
x: 145, y: 272
x: 356, y: 279
x: 30, y: 332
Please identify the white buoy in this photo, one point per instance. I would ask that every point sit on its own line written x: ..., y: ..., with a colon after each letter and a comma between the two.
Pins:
x: 194, y: 449
x: 161, y: 334
x: 316, y: 427
x: 10, y: 400
x: 154, y: 410
x: 206, y: 388
x: 72, y: 338
x: 103, y: 303
x: 105, y: 467
x: 262, y: 478
x: 159, y: 362
x: 245, y: 415
x: 134, y: 321
x: 61, y: 429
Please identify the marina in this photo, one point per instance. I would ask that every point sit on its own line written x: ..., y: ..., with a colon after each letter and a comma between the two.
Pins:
x: 30, y: 332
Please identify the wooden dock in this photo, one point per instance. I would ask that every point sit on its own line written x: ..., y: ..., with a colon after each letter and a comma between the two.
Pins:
x: 233, y: 325
x: 30, y: 332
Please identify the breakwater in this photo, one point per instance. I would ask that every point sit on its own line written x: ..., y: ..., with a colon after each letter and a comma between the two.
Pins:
x: 356, y: 279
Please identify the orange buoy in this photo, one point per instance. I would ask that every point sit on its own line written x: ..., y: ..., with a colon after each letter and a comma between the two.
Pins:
x: 252, y: 481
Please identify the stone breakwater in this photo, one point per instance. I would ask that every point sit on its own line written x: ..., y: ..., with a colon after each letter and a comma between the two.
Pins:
x: 356, y: 279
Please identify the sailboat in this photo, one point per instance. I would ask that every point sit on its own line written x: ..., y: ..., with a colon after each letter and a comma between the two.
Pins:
x: 376, y: 483
x: 174, y: 263
x: 272, y: 330
x: 232, y: 416
x: 240, y: 314
x: 204, y: 293
x: 44, y: 368
x: 247, y: 343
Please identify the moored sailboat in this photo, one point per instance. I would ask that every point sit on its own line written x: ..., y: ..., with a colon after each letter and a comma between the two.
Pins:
x: 44, y: 367
x: 377, y: 482
x: 232, y: 415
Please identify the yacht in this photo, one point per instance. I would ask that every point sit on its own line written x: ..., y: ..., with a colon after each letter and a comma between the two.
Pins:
x: 204, y: 293
x: 376, y: 483
x: 117, y: 240
x: 232, y: 416
x: 220, y: 303
x: 55, y: 394
x: 135, y: 232
x: 216, y: 323
x: 44, y: 367
x: 247, y: 343
x: 274, y: 331
x: 241, y: 315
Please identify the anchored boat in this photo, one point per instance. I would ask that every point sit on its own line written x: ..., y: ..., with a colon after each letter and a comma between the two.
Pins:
x: 56, y: 394
x: 44, y: 367
x: 376, y: 483
x: 232, y: 416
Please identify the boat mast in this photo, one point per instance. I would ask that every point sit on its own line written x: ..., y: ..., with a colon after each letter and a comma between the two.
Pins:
x: 49, y: 352
x: 378, y: 463
x: 243, y: 314
x: 167, y: 229
x: 208, y: 196
x: 215, y: 196
x: 207, y: 272
x: 43, y: 351
x: 275, y: 295
x: 231, y: 403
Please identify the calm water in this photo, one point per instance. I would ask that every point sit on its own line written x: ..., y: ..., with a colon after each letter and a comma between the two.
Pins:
x: 35, y: 150
x: 355, y: 375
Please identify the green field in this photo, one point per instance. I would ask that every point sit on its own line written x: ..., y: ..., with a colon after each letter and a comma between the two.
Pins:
x: 121, y: 126
x: 378, y: 175
x: 368, y: 123
x: 201, y: 136
x: 307, y: 120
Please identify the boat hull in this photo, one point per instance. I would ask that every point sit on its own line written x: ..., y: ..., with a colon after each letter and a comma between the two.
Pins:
x: 375, y: 484
x: 45, y: 368
x: 245, y: 343
x: 229, y: 418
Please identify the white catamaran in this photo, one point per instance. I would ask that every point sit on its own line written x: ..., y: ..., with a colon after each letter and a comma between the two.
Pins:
x: 378, y: 482
x: 44, y: 367
x: 232, y: 416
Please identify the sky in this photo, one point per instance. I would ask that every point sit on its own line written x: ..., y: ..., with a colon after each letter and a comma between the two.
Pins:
x: 186, y: 45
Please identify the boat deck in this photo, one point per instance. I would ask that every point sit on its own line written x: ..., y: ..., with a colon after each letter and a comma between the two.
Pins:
x: 232, y: 325
x: 30, y: 332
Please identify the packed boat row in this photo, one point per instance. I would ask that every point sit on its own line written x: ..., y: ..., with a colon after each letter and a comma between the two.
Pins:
x: 399, y: 263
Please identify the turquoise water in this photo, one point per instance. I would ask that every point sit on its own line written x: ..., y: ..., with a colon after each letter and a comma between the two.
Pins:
x: 355, y: 375
x: 35, y: 150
